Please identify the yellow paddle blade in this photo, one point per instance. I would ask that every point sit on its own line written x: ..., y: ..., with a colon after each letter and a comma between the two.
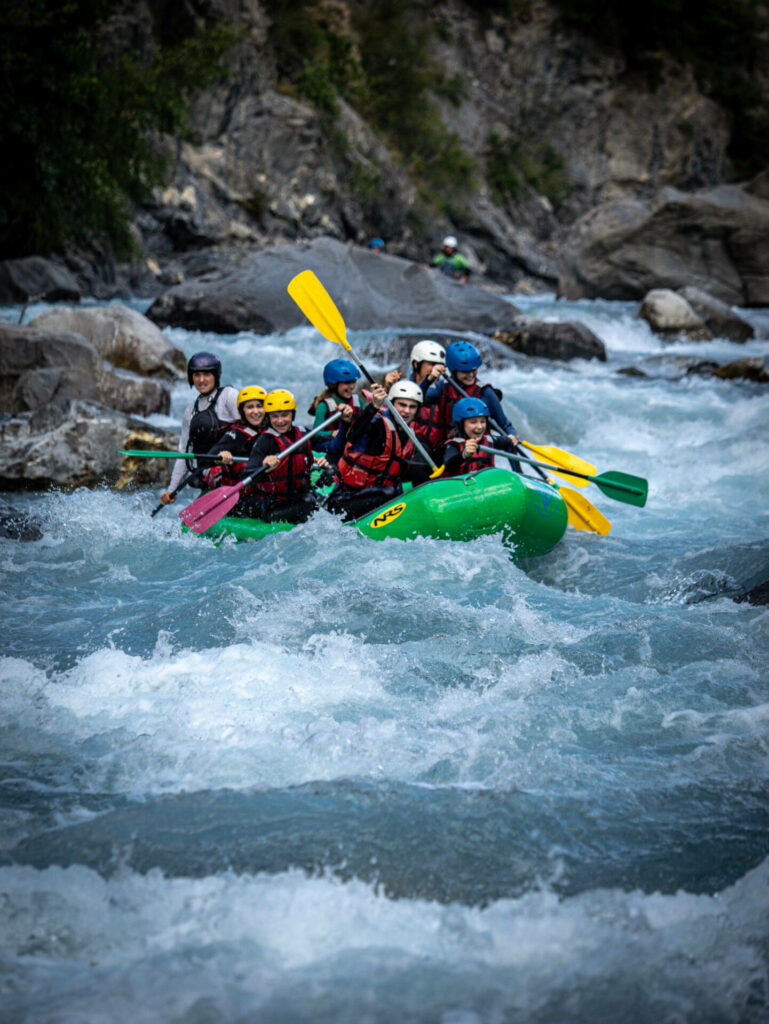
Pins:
x: 582, y: 514
x: 558, y: 457
x: 318, y: 306
x: 438, y: 471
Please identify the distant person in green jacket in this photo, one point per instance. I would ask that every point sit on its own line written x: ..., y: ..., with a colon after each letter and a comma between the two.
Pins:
x: 451, y: 262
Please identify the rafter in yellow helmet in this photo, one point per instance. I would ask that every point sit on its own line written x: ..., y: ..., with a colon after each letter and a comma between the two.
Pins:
x: 278, y: 400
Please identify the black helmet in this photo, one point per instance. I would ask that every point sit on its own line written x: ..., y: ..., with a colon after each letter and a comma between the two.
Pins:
x: 207, y: 362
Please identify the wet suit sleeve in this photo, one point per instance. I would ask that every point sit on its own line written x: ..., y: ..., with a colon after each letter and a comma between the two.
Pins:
x: 264, y: 445
x: 452, y: 457
x: 365, y: 424
x: 322, y: 414
x: 434, y: 392
x: 182, y: 466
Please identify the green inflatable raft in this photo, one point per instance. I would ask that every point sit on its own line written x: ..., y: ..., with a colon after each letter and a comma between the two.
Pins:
x: 530, y: 513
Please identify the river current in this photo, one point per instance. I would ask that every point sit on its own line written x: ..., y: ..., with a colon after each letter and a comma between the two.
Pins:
x: 320, y: 778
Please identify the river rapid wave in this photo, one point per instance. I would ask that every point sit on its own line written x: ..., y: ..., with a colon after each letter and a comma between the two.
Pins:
x: 324, y: 778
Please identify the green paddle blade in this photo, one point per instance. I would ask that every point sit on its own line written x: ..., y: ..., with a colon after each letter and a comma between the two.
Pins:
x: 623, y: 487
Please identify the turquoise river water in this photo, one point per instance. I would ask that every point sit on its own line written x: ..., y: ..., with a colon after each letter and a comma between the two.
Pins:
x: 321, y: 778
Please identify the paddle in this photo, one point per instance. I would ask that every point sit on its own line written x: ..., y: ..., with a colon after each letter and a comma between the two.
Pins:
x: 582, y: 514
x: 143, y: 454
x: 620, y: 486
x: 210, y: 508
x: 180, y: 486
x: 319, y: 308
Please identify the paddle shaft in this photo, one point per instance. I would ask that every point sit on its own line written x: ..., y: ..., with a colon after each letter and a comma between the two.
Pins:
x: 180, y: 486
x: 613, y: 484
x: 176, y: 455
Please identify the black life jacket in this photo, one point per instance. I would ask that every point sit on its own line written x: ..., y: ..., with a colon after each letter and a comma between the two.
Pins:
x: 205, y: 426
x: 356, y: 470
x: 292, y: 475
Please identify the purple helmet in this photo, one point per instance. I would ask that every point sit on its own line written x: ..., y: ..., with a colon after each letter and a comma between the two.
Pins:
x: 206, y: 362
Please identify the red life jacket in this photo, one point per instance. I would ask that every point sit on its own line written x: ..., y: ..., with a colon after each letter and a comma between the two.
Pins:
x: 427, y: 426
x: 357, y: 470
x: 292, y: 475
x: 445, y: 405
x: 481, y: 460
x: 228, y: 476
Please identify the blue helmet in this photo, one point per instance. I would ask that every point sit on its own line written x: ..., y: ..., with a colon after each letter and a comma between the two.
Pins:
x: 462, y: 356
x: 466, y: 408
x: 206, y: 362
x: 376, y: 243
x: 338, y: 371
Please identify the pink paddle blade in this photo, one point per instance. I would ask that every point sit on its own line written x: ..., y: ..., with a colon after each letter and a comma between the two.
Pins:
x: 210, y: 508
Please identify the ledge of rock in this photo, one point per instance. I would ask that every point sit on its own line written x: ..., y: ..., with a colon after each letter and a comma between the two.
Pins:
x: 719, y: 318
x: 35, y: 277
x: 676, y: 367
x: 714, y: 239
x: 38, y: 367
x: 545, y: 340
x: 73, y: 444
x: 370, y: 290
x: 121, y: 335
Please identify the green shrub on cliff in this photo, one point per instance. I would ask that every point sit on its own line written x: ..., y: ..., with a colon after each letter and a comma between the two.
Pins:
x: 78, y: 122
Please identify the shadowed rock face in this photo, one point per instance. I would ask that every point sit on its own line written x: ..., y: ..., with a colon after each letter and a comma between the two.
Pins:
x: 546, y: 340
x: 715, y: 239
x: 369, y: 290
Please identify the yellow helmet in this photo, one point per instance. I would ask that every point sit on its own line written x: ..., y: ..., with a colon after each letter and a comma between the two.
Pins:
x: 250, y: 394
x: 278, y: 400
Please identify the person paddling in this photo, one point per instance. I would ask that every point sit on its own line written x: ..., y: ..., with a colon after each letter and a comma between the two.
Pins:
x: 428, y: 359
x: 378, y: 455
x: 238, y: 438
x: 214, y: 407
x: 463, y: 361
x: 462, y: 453
x: 283, y: 492
x: 339, y: 376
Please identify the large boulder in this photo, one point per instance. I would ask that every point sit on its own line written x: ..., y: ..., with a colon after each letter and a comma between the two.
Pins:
x: 720, y: 319
x: 567, y: 340
x: 667, y: 312
x: 121, y: 335
x: 73, y: 444
x: 36, y: 278
x: 371, y: 290
x: 715, y: 239
x: 38, y: 368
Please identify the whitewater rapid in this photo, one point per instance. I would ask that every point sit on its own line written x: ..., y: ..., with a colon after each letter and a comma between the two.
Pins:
x: 324, y: 778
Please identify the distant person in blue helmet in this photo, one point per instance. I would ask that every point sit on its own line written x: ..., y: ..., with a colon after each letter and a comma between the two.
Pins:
x: 463, y: 361
x: 451, y: 262
x: 214, y: 408
x: 462, y: 453
x: 376, y: 245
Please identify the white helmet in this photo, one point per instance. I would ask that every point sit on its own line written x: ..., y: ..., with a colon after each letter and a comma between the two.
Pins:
x: 406, y: 389
x: 426, y: 351
x: 449, y: 241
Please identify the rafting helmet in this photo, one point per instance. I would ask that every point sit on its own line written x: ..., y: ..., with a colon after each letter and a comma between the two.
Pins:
x: 252, y: 393
x: 428, y: 351
x: 279, y: 400
x: 462, y: 356
x: 338, y: 371
x: 376, y: 243
x: 467, y: 408
x: 449, y: 242
x: 204, y: 362
x: 406, y: 389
